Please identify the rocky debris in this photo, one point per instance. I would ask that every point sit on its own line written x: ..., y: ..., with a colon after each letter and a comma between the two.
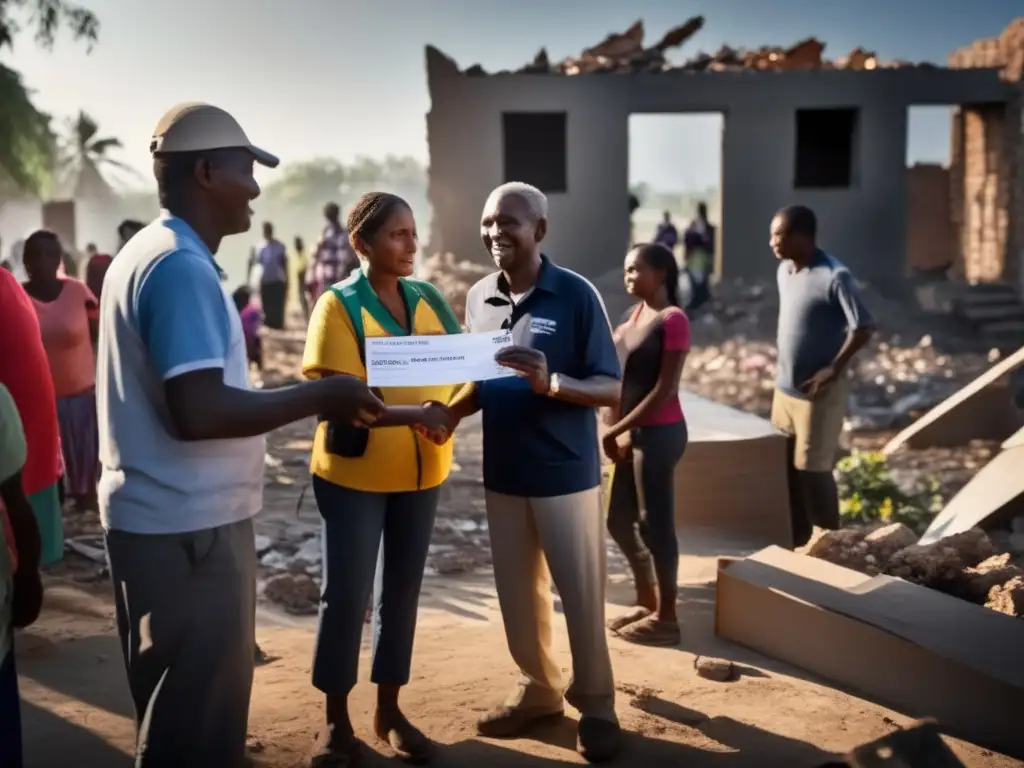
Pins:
x: 452, y: 277
x: 991, y: 573
x: 720, y: 670
x: 624, y: 52
x: 890, y: 539
x: 458, y: 545
x: 944, y: 564
x: 845, y: 547
x: 297, y: 594
x: 967, y: 565
x: 913, y: 363
x: 1008, y: 598
x: 88, y: 546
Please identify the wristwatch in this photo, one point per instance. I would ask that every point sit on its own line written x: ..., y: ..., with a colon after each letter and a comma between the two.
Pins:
x: 553, y: 385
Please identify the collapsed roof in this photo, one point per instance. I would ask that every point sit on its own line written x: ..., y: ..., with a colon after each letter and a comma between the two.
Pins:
x: 625, y: 53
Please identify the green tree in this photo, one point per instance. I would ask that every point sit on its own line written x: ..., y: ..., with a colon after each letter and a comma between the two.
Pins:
x: 306, y: 184
x: 27, y: 144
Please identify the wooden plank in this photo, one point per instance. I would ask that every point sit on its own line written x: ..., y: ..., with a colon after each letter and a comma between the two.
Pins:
x: 984, y: 409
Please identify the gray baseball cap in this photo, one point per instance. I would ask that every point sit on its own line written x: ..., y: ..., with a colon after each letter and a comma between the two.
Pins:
x: 195, y: 127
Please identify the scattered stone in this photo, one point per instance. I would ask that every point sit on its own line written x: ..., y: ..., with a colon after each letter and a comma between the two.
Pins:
x: 253, y: 745
x: 297, y: 594
x: 886, y: 541
x: 989, y: 573
x: 90, y: 547
x: 942, y: 565
x: 845, y: 547
x: 310, y: 552
x: 275, y: 560
x: 263, y: 544
x: 710, y: 668
x: 1008, y: 598
x: 968, y: 565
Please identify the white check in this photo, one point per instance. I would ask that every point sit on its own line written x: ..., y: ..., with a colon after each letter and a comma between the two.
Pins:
x: 419, y: 361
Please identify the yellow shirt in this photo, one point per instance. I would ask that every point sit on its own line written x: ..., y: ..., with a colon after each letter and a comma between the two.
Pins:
x: 396, y: 458
x: 300, y: 262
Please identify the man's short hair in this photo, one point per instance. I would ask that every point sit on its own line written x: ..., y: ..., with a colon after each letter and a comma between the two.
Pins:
x: 800, y: 220
x: 536, y: 201
x: 174, y: 171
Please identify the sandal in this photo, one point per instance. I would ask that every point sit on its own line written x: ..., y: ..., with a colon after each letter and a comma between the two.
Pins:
x: 408, y: 742
x: 347, y: 756
x: 652, y: 631
x: 640, y: 613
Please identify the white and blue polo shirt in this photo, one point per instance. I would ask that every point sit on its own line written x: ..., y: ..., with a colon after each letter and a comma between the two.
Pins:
x: 164, y: 313
x: 534, y: 445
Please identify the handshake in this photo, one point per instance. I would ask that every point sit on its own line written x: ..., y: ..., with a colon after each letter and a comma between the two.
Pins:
x: 436, y: 422
x: 349, y: 400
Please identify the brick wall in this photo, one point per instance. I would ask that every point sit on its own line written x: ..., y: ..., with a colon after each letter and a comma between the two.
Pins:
x: 987, y: 170
x: 929, y: 245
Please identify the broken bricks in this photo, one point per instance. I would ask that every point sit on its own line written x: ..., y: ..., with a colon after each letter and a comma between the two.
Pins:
x: 967, y: 565
x: 624, y: 52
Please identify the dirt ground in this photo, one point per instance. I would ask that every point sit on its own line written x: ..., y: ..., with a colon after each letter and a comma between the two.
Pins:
x: 76, y: 702
x: 76, y: 706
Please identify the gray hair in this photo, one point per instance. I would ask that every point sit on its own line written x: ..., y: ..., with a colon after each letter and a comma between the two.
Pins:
x: 536, y: 201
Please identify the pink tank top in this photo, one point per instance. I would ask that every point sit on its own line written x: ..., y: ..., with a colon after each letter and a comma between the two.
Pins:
x: 64, y: 323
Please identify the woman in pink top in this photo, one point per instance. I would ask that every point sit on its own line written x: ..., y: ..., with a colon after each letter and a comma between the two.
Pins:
x: 67, y: 312
x: 646, y: 442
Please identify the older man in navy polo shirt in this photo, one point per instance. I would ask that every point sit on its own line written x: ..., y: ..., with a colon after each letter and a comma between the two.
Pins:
x: 542, y: 468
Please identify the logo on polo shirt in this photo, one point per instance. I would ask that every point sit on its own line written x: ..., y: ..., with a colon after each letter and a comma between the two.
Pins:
x: 541, y: 326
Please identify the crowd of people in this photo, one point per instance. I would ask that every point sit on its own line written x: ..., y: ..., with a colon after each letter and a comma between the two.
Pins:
x: 166, y: 412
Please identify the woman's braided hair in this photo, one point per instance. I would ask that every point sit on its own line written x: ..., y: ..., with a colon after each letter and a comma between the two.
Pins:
x: 369, y: 214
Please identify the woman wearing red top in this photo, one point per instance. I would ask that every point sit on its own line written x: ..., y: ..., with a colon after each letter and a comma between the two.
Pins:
x: 26, y: 374
x: 647, y: 441
x: 67, y: 312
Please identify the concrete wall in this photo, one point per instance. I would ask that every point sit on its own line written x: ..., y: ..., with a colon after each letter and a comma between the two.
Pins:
x: 865, y: 225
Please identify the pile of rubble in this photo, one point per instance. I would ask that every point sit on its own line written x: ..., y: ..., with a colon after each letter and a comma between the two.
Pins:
x: 913, y: 363
x: 625, y: 53
x: 291, y: 564
x: 981, y: 568
x: 452, y: 277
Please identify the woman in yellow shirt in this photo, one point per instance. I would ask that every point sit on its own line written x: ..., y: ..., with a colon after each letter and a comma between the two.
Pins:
x: 377, y: 488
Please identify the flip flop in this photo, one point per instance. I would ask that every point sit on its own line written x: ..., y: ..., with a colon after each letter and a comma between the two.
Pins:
x: 638, y: 614
x: 652, y: 631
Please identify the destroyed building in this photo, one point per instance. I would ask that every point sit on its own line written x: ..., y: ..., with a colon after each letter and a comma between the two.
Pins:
x: 831, y: 134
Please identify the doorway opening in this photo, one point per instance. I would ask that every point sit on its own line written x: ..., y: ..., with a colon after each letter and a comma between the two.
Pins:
x: 675, y: 168
x: 931, y: 241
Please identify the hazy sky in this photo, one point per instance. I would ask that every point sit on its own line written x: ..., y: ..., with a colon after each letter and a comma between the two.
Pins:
x: 343, y: 78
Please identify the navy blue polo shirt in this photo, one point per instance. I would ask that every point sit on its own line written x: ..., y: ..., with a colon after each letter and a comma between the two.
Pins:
x: 536, y: 445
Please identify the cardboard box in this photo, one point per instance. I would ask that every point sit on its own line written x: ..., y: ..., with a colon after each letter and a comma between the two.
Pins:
x: 906, y: 647
x: 731, y: 483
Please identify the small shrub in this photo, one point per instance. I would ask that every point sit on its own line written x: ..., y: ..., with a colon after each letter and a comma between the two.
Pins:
x: 869, y: 494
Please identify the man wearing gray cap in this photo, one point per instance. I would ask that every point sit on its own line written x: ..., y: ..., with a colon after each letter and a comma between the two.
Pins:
x: 182, y: 448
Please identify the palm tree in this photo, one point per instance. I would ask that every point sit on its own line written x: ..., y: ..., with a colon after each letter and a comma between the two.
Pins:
x: 26, y: 141
x: 83, y: 158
